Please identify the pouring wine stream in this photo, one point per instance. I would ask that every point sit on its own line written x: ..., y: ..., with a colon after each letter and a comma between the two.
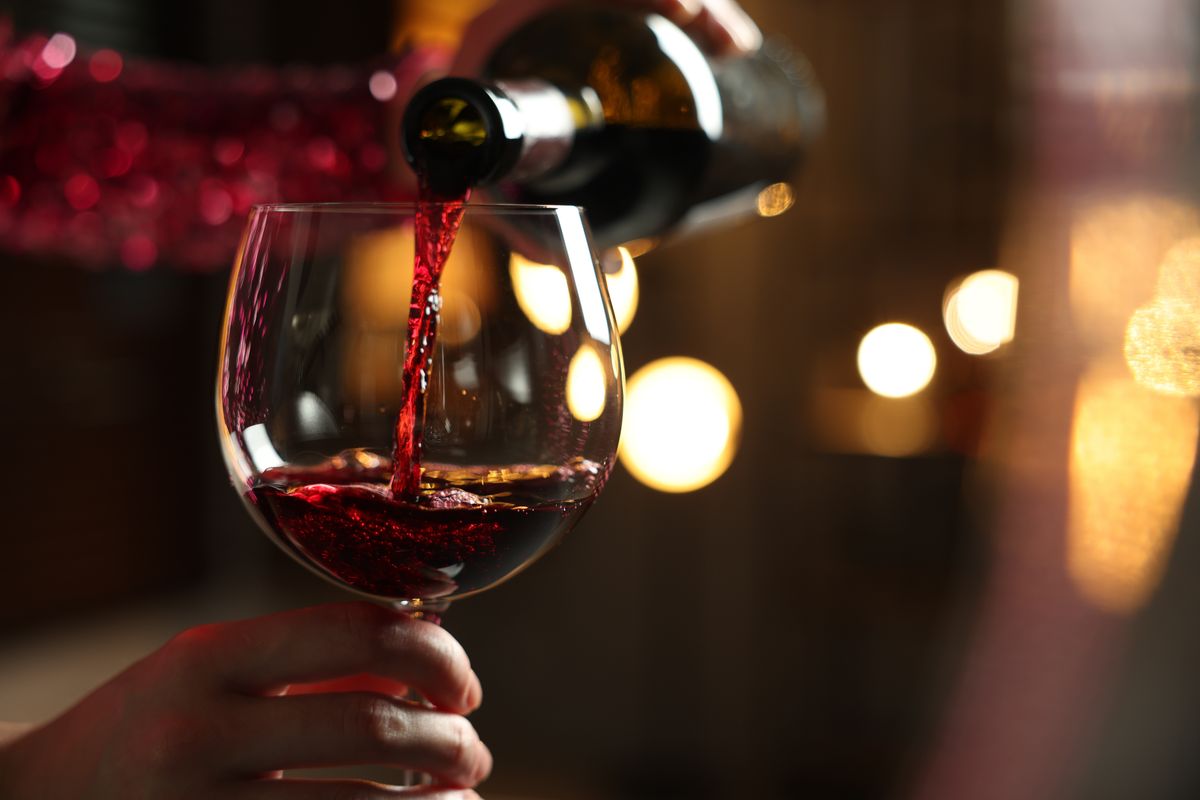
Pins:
x: 436, y: 223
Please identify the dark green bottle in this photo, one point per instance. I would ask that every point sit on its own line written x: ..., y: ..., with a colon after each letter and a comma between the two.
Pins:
x: 620, y: 113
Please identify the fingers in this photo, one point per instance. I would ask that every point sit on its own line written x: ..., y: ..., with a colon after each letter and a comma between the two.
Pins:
x: 681, y: 12
x: 352, y: 683
x: 720, y: 26
x: 344, y: 790
x: 358, y: 728
x: 488, y: 29
x: 726, y: 28
x: 260, y: 656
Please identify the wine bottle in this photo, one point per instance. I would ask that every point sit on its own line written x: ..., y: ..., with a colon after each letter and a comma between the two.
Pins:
x: 621, y: 113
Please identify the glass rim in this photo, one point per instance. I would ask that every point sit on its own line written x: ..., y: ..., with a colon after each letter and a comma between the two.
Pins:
x: 371, y: 206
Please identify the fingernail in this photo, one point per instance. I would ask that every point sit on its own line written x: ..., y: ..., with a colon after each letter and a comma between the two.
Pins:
x: 745, y: 34
x: 474, y: 694
x: 486, y: 762
x: 730, y: 22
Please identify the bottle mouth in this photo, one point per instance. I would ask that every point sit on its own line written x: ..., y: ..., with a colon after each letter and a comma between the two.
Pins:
x: 455, y: 137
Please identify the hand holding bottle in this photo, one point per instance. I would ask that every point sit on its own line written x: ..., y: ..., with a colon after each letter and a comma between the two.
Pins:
x: 618, y: 109
x: 720, y: 27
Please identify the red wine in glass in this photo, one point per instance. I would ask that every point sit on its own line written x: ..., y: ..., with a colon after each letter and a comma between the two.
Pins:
x: 473, y: 466
x: 460, y: 535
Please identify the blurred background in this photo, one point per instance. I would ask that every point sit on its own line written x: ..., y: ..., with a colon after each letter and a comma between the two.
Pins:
x: 922, y: 522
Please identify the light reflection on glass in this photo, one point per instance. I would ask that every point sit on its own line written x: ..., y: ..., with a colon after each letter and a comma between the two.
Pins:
x: 542, y: 293
x: 1131, y: 460
x: 257, y: 442
x: 585, y: 269
x: 694, y: 68
x: 378, y: 279
x: 681, y: 426
x: 371, y: 372
x: 981, y: 312
x: 586, y: 385
x: 377, y: 283
x: 460, y: 318
x: 896, y: 360
x: 623, y: 289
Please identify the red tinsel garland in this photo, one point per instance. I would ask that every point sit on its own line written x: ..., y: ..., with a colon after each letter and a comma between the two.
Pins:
x: 109, y: 160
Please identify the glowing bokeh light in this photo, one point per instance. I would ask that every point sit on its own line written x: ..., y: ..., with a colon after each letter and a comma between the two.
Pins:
x: 82, y: 191
x: 322, y: 153
x: 681, y: 426
x: 1117, y: 247
x: 981, y: 312
x: 623, y: 290
x: 382, y: 85
x: 896, y: 360
x: 542, y: 293
x: 858, y: 421
x: 215, y: 202
x: 1131, y: 460
x: 139, y: 252
x: 775, y: 200
x: 640, y: 247
x: 586, y: 385
x: 1179, y: 275
x: 10, y: 191
x: 897, y: 427
x: 59, y: 51
x: 105, y: 65
x: 1162, y: 347
x: 228, y: 150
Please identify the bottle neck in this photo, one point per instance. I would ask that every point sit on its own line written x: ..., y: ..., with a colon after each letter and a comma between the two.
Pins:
x: 461, y: 133
x: 550, y: 120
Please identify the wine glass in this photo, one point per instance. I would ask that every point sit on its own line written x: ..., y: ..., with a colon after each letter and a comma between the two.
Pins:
x: 521, y: 388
